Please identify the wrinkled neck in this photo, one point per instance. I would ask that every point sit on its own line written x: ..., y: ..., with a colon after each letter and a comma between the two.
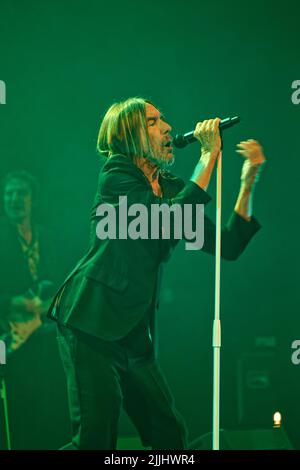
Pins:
x: 150, y: 169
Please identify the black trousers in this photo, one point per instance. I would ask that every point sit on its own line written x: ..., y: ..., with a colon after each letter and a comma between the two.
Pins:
x: 103, y: 376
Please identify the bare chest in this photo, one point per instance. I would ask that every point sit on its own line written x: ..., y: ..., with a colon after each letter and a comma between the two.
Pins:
x: 156, y: 188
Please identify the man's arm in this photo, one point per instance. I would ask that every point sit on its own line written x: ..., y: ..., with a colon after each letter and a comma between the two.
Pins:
x: 241, y: 226
x: 234, y: 238
x: 207, y: 132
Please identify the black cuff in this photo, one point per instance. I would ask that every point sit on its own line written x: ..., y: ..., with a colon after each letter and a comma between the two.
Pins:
x: 193, y: 194
x: 246, y: 228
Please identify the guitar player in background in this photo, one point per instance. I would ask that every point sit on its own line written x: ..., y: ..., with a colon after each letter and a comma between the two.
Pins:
x: 27, y: 282
x: 25, y: 262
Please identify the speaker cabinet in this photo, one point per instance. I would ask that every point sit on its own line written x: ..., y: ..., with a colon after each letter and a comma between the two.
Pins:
x: 257, y: 390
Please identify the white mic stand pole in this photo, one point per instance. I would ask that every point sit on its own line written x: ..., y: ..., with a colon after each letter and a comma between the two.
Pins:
x: 217, y: 323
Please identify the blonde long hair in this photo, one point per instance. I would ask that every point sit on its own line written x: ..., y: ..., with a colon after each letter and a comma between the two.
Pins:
x: 124, y: 130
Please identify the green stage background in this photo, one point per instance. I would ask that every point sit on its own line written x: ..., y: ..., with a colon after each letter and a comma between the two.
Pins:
x: 64, y: 62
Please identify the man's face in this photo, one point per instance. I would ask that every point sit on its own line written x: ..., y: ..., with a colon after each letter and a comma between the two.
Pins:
x: 17, y: 200
x: 159, y: 136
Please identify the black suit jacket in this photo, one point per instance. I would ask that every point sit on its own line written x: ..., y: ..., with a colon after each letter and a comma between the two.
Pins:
x: 117, y: 282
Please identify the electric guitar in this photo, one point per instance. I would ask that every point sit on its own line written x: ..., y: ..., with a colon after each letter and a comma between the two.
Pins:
x: 22, y: 326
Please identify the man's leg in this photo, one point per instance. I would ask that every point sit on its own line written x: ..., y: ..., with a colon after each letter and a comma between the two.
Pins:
x: 149, y: 403
x: 94, y: 391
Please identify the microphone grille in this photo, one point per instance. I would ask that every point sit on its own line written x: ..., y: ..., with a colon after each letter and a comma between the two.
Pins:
x: 179, y: 141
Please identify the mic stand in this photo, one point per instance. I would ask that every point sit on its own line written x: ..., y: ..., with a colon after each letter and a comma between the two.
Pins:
x: 3, y: 397
x: 217, y: 324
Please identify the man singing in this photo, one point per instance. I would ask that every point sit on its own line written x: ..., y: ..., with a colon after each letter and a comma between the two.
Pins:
x: 105, y: 309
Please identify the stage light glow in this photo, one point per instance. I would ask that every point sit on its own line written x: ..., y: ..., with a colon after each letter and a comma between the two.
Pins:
x: 277, y: 419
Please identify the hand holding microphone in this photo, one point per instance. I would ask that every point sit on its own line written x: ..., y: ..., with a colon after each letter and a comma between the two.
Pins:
x: 208, y: 134
x: 182, y: 140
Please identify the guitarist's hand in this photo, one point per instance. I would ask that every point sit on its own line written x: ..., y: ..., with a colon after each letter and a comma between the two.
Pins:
x: 25, y: 318
x: 23, y: 308
x: 21, y: 331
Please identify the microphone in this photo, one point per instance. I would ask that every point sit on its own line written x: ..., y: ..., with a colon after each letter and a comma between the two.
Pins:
x: 182, y: 140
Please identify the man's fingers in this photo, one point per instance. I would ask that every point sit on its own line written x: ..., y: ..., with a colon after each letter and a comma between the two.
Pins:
x: 207, y: 132
x: 198, y: 128
x: 211, y: 125
x: 245, y: 144
x: 216, y: 124
x: 207, y: 125
x: 249, y: 144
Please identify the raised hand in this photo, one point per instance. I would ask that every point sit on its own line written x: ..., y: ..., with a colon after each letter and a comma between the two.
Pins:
x: 255, y: 159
